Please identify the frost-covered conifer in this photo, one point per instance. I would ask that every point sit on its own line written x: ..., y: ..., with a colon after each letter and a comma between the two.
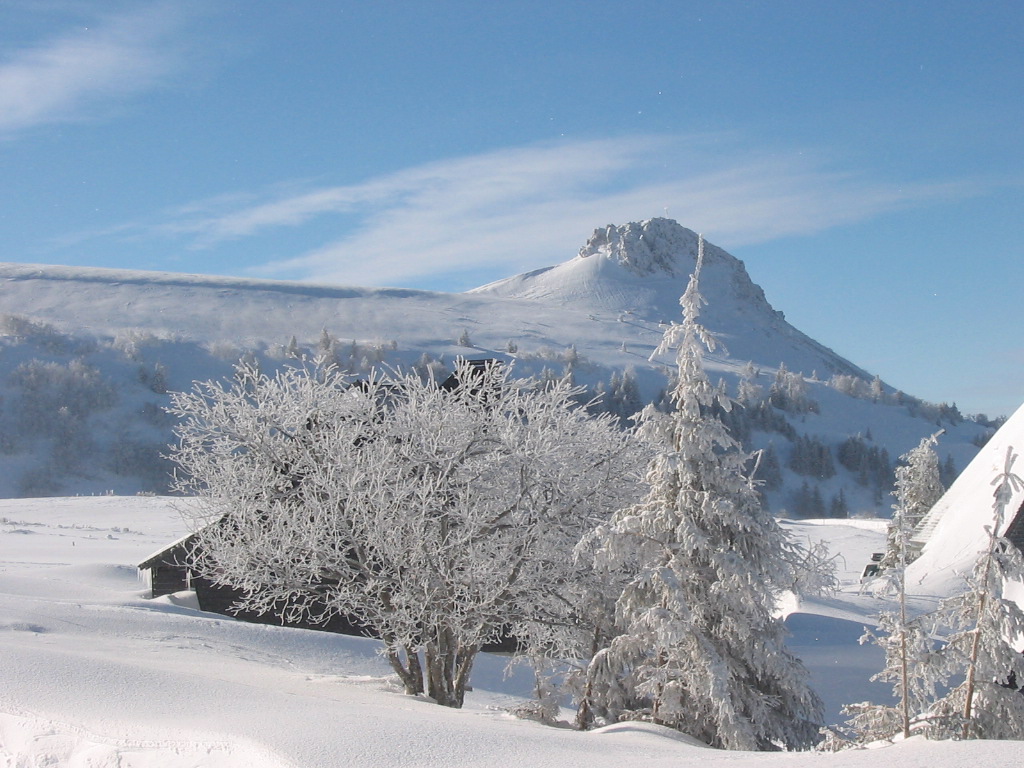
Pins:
x: 749, y: 392
x: 918, y: 486
x: 909, y: 652
x: 976, y: 660
x: 700, y: 649
x: 983, y: 626
x: 906, y: 641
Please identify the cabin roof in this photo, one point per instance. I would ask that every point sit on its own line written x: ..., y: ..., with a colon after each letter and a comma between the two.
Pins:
x: 164, y: 553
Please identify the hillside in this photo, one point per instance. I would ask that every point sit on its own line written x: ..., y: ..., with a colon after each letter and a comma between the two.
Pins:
x: 87, y: 357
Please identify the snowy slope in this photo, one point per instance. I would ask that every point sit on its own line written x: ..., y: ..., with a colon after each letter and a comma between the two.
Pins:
x: 638, y: 271
x: 94, y: 674
x: 625, y: 283
x: 602, y: 312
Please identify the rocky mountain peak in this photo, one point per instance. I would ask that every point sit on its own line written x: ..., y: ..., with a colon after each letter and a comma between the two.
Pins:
x: 647, y: 248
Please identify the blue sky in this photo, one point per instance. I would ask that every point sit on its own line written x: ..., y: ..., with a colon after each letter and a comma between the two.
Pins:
x: 865, y: 159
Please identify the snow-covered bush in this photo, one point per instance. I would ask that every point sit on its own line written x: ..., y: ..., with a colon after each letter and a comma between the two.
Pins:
x: 434, y: 517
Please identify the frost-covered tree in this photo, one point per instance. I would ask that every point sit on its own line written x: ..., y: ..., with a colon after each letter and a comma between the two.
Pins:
x: 982, y: 627
x: 749, y: 392
x: 975, y: 660
x: 876, y: 389
x: 789, y: 392
x: 909, y: 655
x: 906, y: 640
x: 700, y: 649
x: 434, y: 517
x: 918, y: 486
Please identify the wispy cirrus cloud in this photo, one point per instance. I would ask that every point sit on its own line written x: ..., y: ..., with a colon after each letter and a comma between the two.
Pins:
x: 69, y: 77
x: 516, y: 209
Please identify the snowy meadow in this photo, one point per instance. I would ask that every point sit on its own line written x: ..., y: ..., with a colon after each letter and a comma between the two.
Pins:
x: 95, y: 674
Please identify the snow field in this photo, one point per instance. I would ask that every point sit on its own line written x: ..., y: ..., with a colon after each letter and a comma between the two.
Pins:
x: 93, y: 674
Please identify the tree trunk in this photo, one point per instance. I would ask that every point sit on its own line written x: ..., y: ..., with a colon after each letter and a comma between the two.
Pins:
x: 463, y: 667
x: 410, y: 673
x: 448, y: 669
x: 439, y: 675
x: 972, y: 663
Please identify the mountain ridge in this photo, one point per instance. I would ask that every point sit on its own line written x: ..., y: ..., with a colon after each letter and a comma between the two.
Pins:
x: 127, y: 337
x: 614, y: 278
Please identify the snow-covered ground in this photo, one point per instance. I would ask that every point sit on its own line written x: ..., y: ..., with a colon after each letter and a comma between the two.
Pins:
x: 92, y: 673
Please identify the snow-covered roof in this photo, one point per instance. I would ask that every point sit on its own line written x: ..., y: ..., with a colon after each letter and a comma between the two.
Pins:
x: 961, y: 516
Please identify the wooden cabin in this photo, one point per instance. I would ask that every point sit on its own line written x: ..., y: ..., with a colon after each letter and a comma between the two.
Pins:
x: 167, y: 571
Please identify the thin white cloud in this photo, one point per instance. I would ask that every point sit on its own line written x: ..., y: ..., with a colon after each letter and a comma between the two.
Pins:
x: 460, y: 186
x: 68, y: 77
x: 518, y: 209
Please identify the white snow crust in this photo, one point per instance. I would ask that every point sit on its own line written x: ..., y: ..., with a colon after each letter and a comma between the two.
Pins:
x: 92, y: 673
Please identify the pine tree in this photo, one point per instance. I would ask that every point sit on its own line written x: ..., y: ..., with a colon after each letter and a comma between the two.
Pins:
x: 908, y: 651
x: 749, y: 393
x: 978, y: 627
x: 918, y: 486
x: 700, y: 649
x: 906, y: 641
x: 983, y: 623
x: 839, y: 507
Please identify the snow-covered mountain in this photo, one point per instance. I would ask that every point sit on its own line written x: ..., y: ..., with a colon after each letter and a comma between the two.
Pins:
x: 635, y: 275
x: 87, y: 355
x: 623, y: 287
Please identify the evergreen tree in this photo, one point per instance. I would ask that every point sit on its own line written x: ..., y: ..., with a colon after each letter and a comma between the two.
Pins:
x: 749, y: 393
x: 839, y: 507
x: 908, y: 652
x: 906, y: 641
x: 327, y: 349
x: 918, y: 487
x: 983, y: 624
x: 979, y: 628
x: 877, y: 390
x: 948, y: 471
x: 811, y: 457
x: 701, y: 650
